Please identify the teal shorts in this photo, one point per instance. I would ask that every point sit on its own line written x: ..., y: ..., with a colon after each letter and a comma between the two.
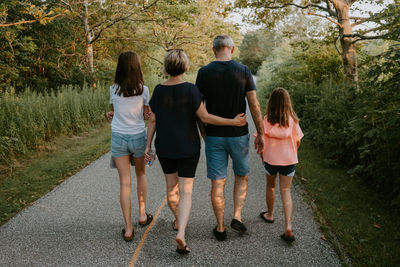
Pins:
x: 126, y: 144
x: 218, y: 150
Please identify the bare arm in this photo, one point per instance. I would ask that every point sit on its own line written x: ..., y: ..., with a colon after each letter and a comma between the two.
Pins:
x: 206, y: 117
x: 255, y: 110
x: 146, y: 112
x: 151, y: 129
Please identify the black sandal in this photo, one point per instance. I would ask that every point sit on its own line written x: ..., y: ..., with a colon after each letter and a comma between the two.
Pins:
x: 265, y: 219
x: 127, y: 238
x: 148, y: 220
x: 182, y: 251
x: 287, y: 238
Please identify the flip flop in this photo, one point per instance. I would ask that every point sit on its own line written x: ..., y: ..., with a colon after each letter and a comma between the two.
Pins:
x: 149, y: 218
x: 183, y: 251
x: 127, y: 238
x: 173, y: 226
x: 265, y: 219
x: 287, y: 238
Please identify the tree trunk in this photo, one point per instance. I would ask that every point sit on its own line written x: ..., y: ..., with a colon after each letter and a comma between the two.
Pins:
x: 89, y: 54
x: 349, y: 54
x: 88, y: 39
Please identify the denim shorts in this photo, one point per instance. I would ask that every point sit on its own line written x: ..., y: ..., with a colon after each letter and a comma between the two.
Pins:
x: 288, y: 170
x: 127, y: 144
x: 217, y: 151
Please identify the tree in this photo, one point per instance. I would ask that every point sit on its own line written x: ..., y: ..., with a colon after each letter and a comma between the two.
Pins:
x: 387, y: 22
x: 189, y: 25
x: 98, y: 16
x: 30, y: 11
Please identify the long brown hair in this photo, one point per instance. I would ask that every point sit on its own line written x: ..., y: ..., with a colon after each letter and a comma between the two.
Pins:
x: 129, y: 75
x: 280, y: 108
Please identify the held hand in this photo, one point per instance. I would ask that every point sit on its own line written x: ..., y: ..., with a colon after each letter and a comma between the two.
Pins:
x: 146, y: 115
x: 259, y: 143
x: 110, y: 115
x: 147, y: 157
x: 240, y: 119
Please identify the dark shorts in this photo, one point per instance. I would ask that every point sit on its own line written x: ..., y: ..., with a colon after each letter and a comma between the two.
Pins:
x: 186, y: 167
x: 284, y: 170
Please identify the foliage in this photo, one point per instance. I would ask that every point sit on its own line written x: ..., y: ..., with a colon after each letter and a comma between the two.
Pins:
x: 40, y: 55
x: 29, y: 119
x: 256, y: 46
x: 385, y: 19
x: 28, y: 12
x: 191, y: 26
x: 374, y: 130
x: 340, y: 13
x: 46, y: 55
x: 300, y: 64
x: 356, y: 129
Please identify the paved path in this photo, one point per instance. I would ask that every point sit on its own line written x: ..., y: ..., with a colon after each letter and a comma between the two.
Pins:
x: 79, y: 224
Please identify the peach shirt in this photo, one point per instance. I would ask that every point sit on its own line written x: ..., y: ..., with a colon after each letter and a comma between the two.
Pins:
x: 281, y: 143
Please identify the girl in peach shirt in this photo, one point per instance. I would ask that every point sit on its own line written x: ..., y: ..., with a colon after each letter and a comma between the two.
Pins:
x: 282, y: 135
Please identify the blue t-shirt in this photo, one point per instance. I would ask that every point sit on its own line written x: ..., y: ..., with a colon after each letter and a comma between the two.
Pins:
x: 224, y: 85
x: 175, y: 109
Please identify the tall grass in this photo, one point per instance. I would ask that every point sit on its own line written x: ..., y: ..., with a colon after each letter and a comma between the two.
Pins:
x: 29, y: 119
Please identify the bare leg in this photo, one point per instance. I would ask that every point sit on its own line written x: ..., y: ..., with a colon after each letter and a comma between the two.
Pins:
x: 124, y: 171
x: 185, y: 204
x: 239, y: 196
x: 284, y: 185
x: 270, y: 196
x: 172, y: 192
x: 218, y: 202
x: 140, y: 170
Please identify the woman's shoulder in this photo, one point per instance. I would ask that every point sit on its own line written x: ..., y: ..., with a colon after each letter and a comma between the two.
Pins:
x: 113, y: 89
x: 114, y: 86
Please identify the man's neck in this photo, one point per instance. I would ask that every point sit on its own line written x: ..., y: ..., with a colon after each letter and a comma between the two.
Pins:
x: 223, y: 58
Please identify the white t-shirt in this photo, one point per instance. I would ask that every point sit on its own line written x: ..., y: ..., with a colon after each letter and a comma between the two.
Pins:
x: 128, y: 111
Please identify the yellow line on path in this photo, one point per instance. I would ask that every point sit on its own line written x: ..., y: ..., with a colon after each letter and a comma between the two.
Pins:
x: 137, y: 251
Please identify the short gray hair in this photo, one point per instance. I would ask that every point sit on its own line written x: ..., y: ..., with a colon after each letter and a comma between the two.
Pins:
x: 221, y: 41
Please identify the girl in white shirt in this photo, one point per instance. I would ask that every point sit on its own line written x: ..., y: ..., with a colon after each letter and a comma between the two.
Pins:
x: 129, y: 100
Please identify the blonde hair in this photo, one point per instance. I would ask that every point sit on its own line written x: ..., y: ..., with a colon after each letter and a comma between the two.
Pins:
x: 279, y: 108
x: 176, y: 62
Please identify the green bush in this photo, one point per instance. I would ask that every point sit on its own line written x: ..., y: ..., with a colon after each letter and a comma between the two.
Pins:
x: 374, y: 130
x: 29, y: 119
